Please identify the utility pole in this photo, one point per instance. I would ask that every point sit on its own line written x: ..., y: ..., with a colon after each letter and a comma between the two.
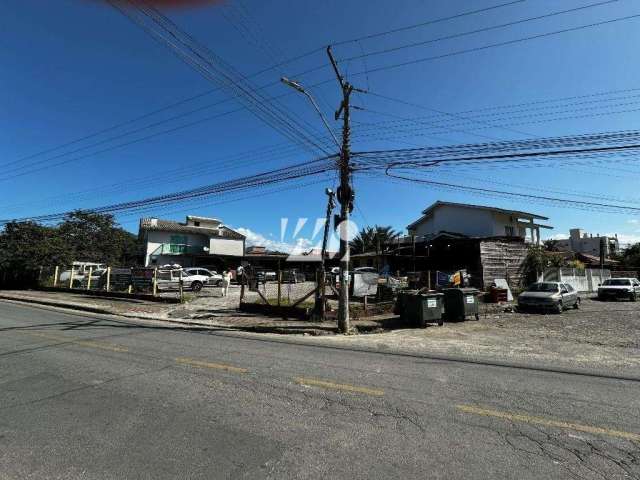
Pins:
x: 345, y: 195
x: 320, y: 293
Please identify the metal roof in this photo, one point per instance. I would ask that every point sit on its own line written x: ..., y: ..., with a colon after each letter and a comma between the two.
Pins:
x: 172, y: 226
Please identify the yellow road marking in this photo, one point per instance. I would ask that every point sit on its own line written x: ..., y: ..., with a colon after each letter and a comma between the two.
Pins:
x: 520, y: 417
x: 312, y: 382
x: 217, y: 366
x: 82, y: 343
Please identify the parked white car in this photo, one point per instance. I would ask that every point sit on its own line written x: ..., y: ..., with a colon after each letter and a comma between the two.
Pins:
x: 619, y: 288
x: 213, y: 277
x: 170, y: 280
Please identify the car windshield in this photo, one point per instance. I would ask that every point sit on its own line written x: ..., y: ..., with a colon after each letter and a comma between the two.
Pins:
x: 616, y: 281
x: 543, y: 287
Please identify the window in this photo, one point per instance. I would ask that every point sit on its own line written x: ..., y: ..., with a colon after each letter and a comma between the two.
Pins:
x: 178, y: 244
x: 616, y: 281
x: 543, y: 287
x: 508, y: 230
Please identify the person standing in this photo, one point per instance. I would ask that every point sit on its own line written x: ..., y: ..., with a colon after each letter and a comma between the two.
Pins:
x: 226, y: 281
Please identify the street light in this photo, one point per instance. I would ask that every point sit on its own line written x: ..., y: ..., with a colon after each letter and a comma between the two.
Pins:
x: 300, y: 88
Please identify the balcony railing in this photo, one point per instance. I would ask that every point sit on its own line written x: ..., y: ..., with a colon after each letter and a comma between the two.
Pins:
x: 178, y: 249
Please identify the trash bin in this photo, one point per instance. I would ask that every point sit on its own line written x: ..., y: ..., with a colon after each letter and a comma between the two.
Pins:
x: 421, y: 308
x: 400, y: 306
x: 460, y: 303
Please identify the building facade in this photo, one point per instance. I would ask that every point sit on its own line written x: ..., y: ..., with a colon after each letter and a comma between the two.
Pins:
x: 199, y: 241
x: 477, y: 221
x: 581, y: 242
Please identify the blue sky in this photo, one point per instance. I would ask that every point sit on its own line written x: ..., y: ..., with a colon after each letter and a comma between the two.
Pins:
x: 70, y: 68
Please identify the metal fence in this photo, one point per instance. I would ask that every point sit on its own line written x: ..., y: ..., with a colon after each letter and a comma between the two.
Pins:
x: 282, y: 288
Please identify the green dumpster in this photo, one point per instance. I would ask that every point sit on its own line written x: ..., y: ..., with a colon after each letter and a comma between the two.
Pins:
x: 401, y: 302
x: 460, y: 303
x: 422, y: 308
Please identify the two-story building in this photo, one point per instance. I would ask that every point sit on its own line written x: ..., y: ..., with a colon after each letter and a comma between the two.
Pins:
x: 476, y: 221
x: 199, y: 241
x: 489, y: 243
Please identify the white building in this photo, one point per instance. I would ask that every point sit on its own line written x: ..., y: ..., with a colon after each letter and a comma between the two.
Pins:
x: 581, y: 242
x: 477, y: 221
x: 200, y: 241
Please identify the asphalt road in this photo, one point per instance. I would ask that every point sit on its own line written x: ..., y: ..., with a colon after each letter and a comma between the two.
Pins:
x: 84, y: 397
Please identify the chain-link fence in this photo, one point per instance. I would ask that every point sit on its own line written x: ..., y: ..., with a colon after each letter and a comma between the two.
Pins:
x: 282, y: 288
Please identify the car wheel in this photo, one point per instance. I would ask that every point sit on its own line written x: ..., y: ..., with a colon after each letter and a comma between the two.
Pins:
x: 219, y: 283
x: 577, y: 304
x: 559, y: 307
x: 196, y: 286
x: 75, y: 284
x: 633, y: 297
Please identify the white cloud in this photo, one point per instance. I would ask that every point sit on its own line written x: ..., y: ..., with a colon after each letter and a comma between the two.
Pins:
x: 557, y: 236
x: 255, y: 238
x: 633, y: 221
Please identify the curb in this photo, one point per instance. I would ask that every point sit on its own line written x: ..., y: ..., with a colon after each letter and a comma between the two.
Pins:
x: 101, y: 311
x: 229, y: 330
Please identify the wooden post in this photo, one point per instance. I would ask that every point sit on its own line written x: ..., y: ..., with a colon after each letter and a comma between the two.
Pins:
x: 366, y: 303
x: 279, y: 285
x: 242, y: 289
x: 181, y: 287
x: 129, y: 289
x: 108, y: 278
x: 55, y: 276
x: 155, y: 281
x: 71, y: 278
x: 89, y: 279
x: 40, y: 276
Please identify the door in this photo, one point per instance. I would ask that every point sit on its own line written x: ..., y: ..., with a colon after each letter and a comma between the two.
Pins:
x: 569, y: 295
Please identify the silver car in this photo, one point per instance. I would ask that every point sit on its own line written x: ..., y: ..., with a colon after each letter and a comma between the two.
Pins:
x: 554, y: 296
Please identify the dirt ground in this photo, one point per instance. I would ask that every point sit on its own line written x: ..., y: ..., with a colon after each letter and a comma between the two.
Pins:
x: 601, y: 335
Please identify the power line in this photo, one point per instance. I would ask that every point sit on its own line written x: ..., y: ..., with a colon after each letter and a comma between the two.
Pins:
x: 479, y: 30
x: 563, y: 201
x: 493, y: 45
x: 424, y: 24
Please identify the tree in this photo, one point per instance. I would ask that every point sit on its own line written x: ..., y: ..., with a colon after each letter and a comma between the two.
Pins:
x: 630, y: 256
x: 28, y: 245
x: 551, y: 245
x: 81, y: 236
x: 96, y: 237
x: 370, y: 239
x: 537, y: 260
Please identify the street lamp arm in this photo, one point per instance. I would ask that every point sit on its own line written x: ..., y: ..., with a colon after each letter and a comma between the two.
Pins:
x: 300, y: 88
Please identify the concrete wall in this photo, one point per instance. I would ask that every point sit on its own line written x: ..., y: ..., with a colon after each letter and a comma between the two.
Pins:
x: 226, y: 246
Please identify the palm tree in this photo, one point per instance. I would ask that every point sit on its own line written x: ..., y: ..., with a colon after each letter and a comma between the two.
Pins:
x: 373, y: 239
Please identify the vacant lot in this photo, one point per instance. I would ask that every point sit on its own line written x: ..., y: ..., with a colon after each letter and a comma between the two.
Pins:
x: 600, y: 335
